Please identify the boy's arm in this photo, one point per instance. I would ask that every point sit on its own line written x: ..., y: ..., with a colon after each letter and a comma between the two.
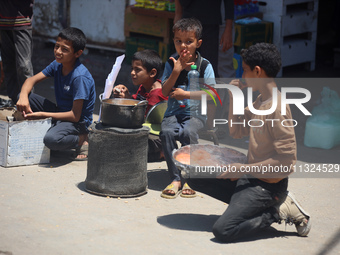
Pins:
x: 271, y: 170
x: 71, y: 116
x: 23, y: 103
x: 179, y: 66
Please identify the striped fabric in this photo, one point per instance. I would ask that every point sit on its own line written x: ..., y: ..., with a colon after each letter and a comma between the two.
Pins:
x: 14, y: 22
x: 16, y: 14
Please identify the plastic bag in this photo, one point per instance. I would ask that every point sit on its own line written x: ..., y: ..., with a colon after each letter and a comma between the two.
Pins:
x: 323, y: 127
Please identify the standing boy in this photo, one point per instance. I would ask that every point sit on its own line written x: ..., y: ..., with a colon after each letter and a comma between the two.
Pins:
x: 75, y: 96
x: 255, y: 199
x: 182, y: 124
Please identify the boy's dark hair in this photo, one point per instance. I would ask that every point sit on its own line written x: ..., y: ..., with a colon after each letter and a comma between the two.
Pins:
x: 264, y: 55
x: 75, y: 36
x: 150, y: 60
x: 189, y: 24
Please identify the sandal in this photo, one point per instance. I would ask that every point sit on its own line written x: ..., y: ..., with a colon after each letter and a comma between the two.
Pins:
x: 187, y: 187
x: 82, y: 150
x: 173, y: 188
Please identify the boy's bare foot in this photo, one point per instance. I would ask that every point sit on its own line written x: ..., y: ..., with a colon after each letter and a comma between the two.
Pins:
x: 83, y: 147
x: 172, y: 190
x: 83, y: 151
x: 188, y: 192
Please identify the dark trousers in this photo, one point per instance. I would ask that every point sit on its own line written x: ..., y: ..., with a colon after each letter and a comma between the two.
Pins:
x: 154, y: 148
x: 16, y: 54
x: 251, y: 205
x: 63, y: 135
x: 210, y: 46
x: 178, y: 128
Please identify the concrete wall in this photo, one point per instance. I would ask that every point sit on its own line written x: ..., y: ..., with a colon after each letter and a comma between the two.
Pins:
x: 102, y: 21
x: 46, y: 20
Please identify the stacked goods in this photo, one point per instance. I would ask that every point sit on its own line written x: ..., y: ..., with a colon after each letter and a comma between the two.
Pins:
x: 245, y: 7
x: 158, y: 5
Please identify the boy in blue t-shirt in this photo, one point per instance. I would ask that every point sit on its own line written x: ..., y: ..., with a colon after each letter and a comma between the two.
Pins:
x: 75, y: 96
x: 182, y: 123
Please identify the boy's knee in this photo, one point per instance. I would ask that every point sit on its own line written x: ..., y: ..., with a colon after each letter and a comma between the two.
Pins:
x: 50, y: 141
x: 189, y: 136
x: 221, y: 233
x: 166, y: 132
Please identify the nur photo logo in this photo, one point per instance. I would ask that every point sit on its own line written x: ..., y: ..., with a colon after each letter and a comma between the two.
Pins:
x: 238, y: 104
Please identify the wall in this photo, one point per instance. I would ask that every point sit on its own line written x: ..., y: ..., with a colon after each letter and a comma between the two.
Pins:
x: 46, y: 20
x: 102, y: 21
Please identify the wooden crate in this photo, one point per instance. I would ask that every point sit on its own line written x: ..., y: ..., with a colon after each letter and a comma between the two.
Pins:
x: 134, y: 44
x: 148, y: 22
x: 249, y: 34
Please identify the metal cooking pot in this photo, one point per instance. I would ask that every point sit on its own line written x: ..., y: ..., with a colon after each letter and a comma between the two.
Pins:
x: 218, y: 156
x: 123, y: 113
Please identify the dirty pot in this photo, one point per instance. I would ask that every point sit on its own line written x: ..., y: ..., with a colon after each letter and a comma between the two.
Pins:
x: 123, y: 113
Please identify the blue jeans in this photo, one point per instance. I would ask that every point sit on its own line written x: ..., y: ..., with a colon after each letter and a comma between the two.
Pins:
x: 251, y: 204
x: 178, y: 128
x: 63, y: 135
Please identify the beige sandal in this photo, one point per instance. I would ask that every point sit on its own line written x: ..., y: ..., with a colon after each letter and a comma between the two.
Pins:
x: 173, y: 188
x: 187, y: 187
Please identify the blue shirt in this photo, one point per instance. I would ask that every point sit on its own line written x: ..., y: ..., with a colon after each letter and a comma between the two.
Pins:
x: 78, y: 84
x: 173, y: 105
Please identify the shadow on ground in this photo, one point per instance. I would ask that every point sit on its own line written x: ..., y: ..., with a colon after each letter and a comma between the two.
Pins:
x: 188, y: 222
x: 158, y: 179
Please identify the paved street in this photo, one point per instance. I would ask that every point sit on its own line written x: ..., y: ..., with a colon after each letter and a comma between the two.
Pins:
x: 45, y: 209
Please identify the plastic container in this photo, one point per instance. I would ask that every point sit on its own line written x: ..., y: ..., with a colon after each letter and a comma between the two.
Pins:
x: 323, y: 135
x: 182, y: 102
x: 193, y: 78
x: 323, y: 127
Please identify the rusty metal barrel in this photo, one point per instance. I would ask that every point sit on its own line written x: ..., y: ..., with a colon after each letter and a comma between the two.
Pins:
x: 117, y: 161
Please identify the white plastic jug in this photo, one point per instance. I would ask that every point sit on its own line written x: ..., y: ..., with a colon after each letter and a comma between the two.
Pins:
x: 323, y: 127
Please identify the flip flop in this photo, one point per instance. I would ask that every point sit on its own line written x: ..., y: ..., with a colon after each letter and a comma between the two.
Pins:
x: 82, y: 150
x: 187, y: 187
x: 170, y: 187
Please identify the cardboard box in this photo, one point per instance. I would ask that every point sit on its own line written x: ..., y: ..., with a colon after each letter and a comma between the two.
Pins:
x: 249, y: 34
x: 134, y: 44
x: 21, y: 142
x: 237, y: 62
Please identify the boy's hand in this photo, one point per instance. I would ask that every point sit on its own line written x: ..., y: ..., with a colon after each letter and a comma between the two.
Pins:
x: 182, y: 62
x: 178, y: 94
x: 121, y: 91
x: 34, y: 115
x: 23, y: 106
x: 240, y: 83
